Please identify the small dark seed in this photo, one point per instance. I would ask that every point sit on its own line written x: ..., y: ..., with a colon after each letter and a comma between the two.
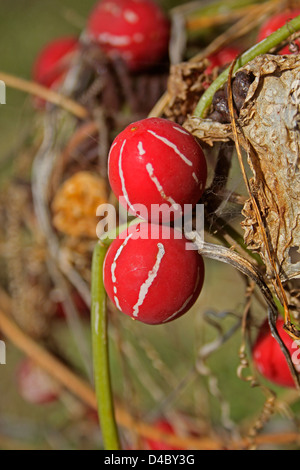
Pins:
x: 240, y: 87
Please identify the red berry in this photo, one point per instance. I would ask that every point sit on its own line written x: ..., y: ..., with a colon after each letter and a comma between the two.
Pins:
x: 276, y: 22
x: 222, y: 58
x: 163, y: 426
x: 35, y: 385
x: 153, y: 278
x: 54, y: 60
x: 135, y: 30
x: 268, y: 357
x: 155, y: 161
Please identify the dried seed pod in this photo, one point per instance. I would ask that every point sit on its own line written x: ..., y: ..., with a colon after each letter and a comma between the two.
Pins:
x: 186, y: 84
x: 240, y: 86
x: 220, y: 106
x: 268, y: 125
x: 269, y: 120
x: 75, y: 204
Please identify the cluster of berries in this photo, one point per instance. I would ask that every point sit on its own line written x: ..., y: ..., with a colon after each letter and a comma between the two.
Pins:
x: 155, y: 278
x: 154, y: 161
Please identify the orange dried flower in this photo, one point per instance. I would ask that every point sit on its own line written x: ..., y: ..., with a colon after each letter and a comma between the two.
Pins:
x: 74, y: 205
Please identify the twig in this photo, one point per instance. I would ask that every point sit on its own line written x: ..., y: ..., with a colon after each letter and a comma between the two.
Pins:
x: 83, y: 390
x: 87, y: 129
x: 225, y: 255
x: 72, y: 317
x: 41, y: 176
x: 160, y: 105
x: 235, y: 32
x: 45, y: 94
x: 200, y: 22
x: 203, y: 369
x: 48, y: 362
x: 269, y: 405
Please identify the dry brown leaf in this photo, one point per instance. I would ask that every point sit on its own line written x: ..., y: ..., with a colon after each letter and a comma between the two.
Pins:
x: 268, y: 127
x: 185, y: 86
x: 208, y: 131
x: 269, y: 120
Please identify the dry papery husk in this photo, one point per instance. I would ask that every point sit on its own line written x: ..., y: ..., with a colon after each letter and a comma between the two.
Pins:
x: 268, y: 126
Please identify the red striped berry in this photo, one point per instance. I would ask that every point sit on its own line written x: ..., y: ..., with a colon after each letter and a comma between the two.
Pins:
x: 135, y: 30
x: 153, y: 278
x: 155, y: 161
x: 270, y: 360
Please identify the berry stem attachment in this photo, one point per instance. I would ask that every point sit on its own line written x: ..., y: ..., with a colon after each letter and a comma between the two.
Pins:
x: 262, y: 47
x: 101, y: 354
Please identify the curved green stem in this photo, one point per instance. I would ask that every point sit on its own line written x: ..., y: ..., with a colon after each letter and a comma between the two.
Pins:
x: 108, y: 237
x: 261, y: 48
x: 101, y: 354
x: 218, y: 7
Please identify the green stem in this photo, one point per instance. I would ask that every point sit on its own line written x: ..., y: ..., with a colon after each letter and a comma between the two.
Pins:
x: 223, y: 7
x: 261, y: 48
x: 278, y: 305
x: 108, y: 237
x: 101, y: 353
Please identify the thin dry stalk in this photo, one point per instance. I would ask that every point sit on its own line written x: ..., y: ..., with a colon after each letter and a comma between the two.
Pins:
x: 198, y: 23
x: 85, y: 392
x: 44, y: 93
